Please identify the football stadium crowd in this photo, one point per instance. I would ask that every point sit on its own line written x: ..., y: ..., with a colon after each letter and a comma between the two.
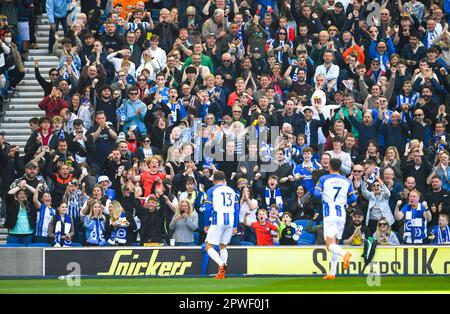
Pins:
x: 150, y: 98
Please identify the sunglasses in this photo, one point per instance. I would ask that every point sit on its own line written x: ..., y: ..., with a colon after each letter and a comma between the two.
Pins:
x: 54, y: 74
x: 133, y: 94
x: 418, y: 115
x: 358, y: 171
x: 147, y: 141
x: 282, y: 33
x: 226, y: 60
x: 237, y: 111
x: 382, y: 224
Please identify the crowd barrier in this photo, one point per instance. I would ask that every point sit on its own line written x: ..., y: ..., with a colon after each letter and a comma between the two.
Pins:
x: 188, y: 261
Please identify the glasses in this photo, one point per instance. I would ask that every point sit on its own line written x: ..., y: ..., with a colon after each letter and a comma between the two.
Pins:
x: 226, y: 60
x: 357, y: 171
x: 418, y: 115
x: 282, y: 33
x: 237, y: 111
x: 133, y: 93
x: 54, y: 74
x: 381, y: 224
x: 147, y: 141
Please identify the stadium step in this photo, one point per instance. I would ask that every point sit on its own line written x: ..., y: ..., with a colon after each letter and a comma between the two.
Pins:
x: 22, y: 101
x: 29, y: 107
x: 23, y: 113
x: 30, y: 88
x: 24, y: 104
x: 27, y: 94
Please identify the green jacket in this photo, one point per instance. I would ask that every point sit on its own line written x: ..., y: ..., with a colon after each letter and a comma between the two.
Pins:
x: 206, y: 61
x: 357, y: 113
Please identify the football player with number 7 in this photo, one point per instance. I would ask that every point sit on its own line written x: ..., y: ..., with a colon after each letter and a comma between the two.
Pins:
x: 336, y: 192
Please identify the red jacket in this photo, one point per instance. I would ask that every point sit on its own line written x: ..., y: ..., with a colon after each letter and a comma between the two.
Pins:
x: 52, y: 106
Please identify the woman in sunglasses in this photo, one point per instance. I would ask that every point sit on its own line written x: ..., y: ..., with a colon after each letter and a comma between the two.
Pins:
x: 378, y: 199
x: 145, y: 150
x: 384, y: 235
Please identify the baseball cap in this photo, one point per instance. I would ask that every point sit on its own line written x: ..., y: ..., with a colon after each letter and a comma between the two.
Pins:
x: 339, y: 5
x: 212, y: 35
x: 375, y: 60
x: 31, y: 164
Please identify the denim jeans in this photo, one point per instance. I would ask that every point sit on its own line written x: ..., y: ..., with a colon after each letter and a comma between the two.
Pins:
x: 25, y: 239
x: 51, y: 40
x: 185, y: 244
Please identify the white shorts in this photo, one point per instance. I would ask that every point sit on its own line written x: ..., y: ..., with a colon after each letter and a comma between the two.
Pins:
x: 333, y: 227
x: 219, y: 234
x: 24, y: 30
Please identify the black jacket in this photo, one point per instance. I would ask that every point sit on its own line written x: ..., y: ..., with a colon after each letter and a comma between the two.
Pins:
x: 12, y: 213
x: 10, y: 169
x: 152, y: 225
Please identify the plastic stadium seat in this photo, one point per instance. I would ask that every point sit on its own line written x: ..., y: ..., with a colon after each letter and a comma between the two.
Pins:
x: 247, y: 243
x: 13, y: 245
x: 196, y: 237
x: 306, y: 238
x: 76, y: 244
x: 40, y: 245
x: 302, y: 222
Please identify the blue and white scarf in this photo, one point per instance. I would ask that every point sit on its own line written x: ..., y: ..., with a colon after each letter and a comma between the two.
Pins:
x: 273, y: 195
x: 415, y: 225
x: 118, y: 234
x: 45, y: 216
x: 75, y: 72
x: 173, y: 111
x: 442, y: 236
x: 96, y: 235
x: 59, y: 230
x: 411, y: 99
x: 73, y: 204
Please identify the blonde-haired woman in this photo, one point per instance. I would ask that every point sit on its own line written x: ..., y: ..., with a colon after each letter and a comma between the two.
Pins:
x: 95, y: 224
x: 384, y: 235
x: 183, y: 224
x: 392, y: 160
x: 122, y: 225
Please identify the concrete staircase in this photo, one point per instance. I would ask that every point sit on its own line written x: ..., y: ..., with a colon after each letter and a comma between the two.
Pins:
x: 24, y: 105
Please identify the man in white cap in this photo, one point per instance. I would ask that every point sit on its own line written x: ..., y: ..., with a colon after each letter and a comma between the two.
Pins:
x: 105, y: 183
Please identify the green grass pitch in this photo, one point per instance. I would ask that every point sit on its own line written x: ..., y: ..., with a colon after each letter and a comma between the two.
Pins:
x: 434, y: 284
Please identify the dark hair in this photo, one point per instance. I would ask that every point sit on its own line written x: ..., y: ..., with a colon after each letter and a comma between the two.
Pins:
x: 78, y: 122
x: 219, y: 176
x: 43, y: 119
x: 34, y: 120
x: 335, y: 164
x: 52, y: 70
